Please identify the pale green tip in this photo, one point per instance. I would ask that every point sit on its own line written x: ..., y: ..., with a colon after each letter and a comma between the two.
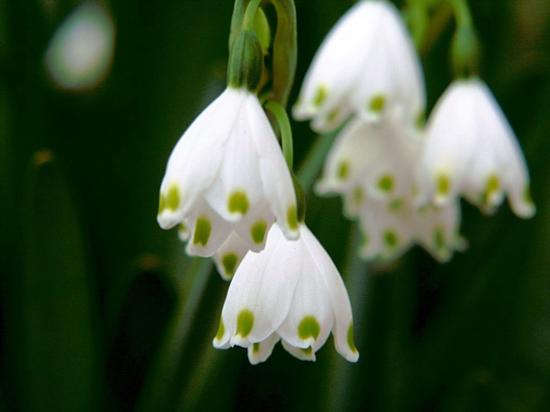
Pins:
x: 173, y: 198
x: 221, y: 330
x: 377, y: 103
x: 309, y: 328
x: 443, y: 184
x: 238, y: 203
x: 390, y: 238
x: 229, y: 262
x: 292, y: 218
x: 320, y: 96
x: 386, y: 183
x: 258, y: 231
x: 245, y: 323
x: 203, y: 228
x: 343, y: 170
x: 351, y: 342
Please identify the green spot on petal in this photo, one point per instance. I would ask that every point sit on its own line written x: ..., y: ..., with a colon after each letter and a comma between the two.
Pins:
x: 258, y: 231
x: 292, y: 218
x: 439, y: 238
x: 358, y: 195
x: 386, y: 183
x: 395, y: 205
x: 221, y: 330
x: 492, y: 186
x: 443, y: 184
x: 229, y: 262
x: 309, y: 328
x: 307, y: 351
x: 203, y: 228
x: 420, y: 120
x: 377, y: 103
x: 162, y: 204
x: 343, y: 170
x: 256, y: 347
x: 173, y: 198
x: 245, y: 322
x: 320, y: 96
x: 390, y: 238
x: 351, y: 342
x: 333, y: 115
x: 238, y: 203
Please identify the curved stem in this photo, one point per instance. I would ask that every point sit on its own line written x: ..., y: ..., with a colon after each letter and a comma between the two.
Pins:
x: 250, y: 15
x: 462, y: 12
x: 284, y: 128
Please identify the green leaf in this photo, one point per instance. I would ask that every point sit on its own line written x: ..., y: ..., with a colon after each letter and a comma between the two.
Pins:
x: 60, y: 359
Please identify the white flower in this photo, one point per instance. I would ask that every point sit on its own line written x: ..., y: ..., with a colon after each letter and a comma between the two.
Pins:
x: 81, y: 50
x: 472, y: 150
x: 291, y: 291
x: 372, y: 159
x: 389, y: 230
x: 227, y: 181
x: 368, y: 65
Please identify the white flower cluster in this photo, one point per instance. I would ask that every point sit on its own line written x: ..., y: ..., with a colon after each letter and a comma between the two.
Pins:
x: 225, y: 186
x: 401, y: 180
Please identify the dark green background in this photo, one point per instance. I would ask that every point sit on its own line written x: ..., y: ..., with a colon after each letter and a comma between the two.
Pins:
x: 101, y: 310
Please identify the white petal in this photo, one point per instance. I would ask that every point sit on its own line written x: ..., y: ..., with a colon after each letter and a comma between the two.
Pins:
x: 209, y: 231
x: 263, y: 286
x: 253, y: 229
x: 305, y: 354
x: 229, y: 256
x: 343, y: 321
x: 260, y: 351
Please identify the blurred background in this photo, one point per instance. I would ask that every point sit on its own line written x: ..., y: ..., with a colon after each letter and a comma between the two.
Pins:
x: 101, y: 310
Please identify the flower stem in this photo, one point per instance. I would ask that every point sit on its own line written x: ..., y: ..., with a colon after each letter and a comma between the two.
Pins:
x: 250, y: 15
x: 284, y: 128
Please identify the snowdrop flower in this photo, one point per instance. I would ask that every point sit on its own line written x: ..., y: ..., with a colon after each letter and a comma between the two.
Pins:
x: 389, y: 230
x: 368, y: 65
x: 227, y: 181
x: 291, y: 291
x: 81, y: 50
x: 472, y: 150
x: 371, y: 159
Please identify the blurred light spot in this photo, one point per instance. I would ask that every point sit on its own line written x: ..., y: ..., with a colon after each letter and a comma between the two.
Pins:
x: 80, y: 53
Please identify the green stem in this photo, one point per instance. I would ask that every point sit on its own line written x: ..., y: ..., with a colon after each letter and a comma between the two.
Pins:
x: 310, y: 167
x: 250, y: 15
x: 462, y: 12
x: 284, y: 128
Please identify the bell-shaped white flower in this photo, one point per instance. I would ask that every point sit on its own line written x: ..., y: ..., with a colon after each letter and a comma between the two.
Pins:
x: 472, y: 150
x: 291, y: 291
x: 372, y: 159
x: 81, y: 50
x: 227, y: 181
x: 367, y: 65
x: 389, y: 230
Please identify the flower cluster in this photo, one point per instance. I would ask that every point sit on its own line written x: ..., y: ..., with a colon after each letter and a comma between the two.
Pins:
x: 229, y: 190
x: 403, y: 180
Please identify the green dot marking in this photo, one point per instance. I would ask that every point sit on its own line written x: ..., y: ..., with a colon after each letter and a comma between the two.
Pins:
x: 395, y: 205
x: 256, y: 347
x: 309, y: 328
x: 358, y: 195
x: 245, y: 322
x: 173, y: 198
x: 377, y: 103
x: 221, y: 330
x: 443, y: 184
x: 351, y: 342
x: 527, y: 195
x: 229, y: 262
x: 343, y: 170
x: 333, y: 115
x: 320, y: 96
x: 439, y: 238
x: 257, y: 231
x: 203, y: 228
x: 492, y: 186
x: 386, y: 183
x: 307, y: 351
x: 390, y: 238
x: 238, y: 203
x: 162, y: 204
x: 292, y: 217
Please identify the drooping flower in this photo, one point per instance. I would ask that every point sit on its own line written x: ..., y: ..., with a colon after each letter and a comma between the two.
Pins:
x: 367, y: 65
x: 81, y: 50
x: 472, y: 150
x: 389, y: 230
x: 226, y: 181
x: 291, y: 291
x: 372, y: 159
